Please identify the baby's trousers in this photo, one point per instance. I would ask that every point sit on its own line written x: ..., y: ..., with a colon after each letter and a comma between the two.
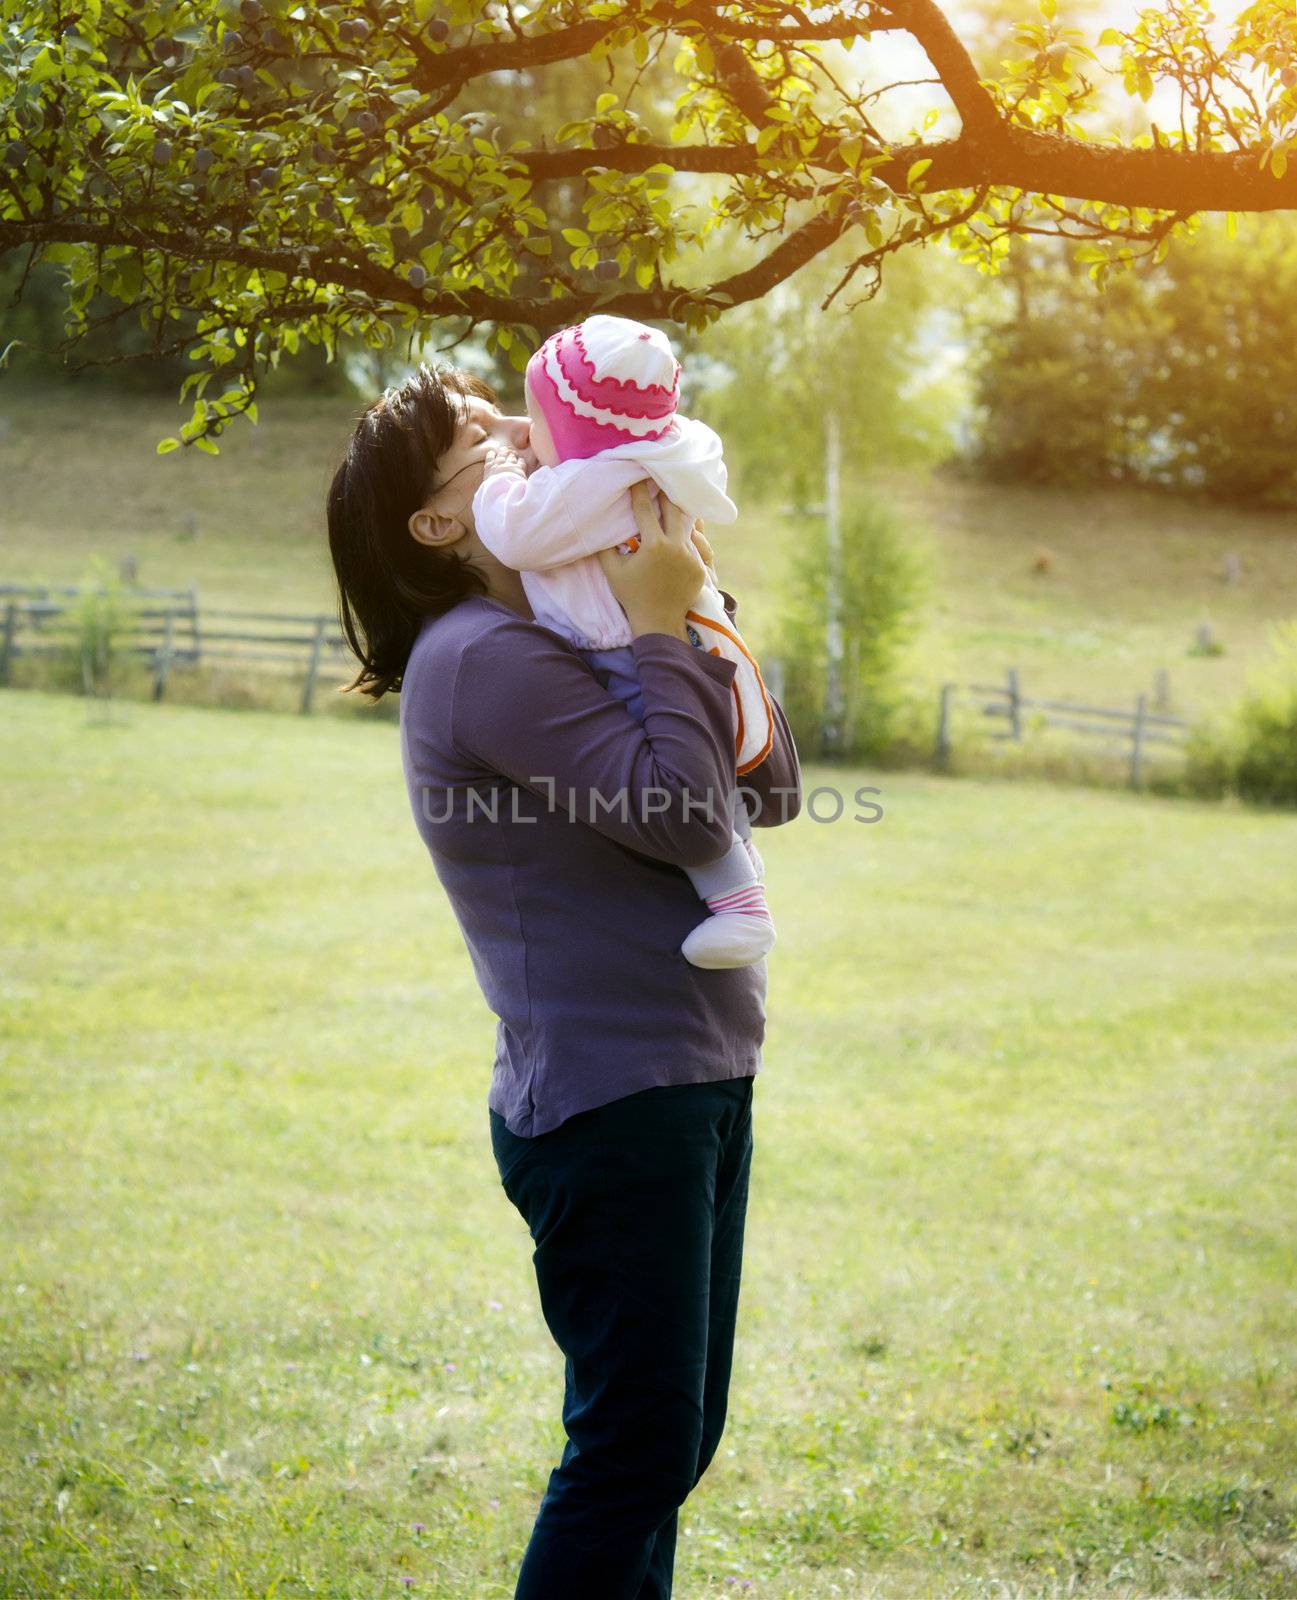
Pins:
x: 636, y: 1209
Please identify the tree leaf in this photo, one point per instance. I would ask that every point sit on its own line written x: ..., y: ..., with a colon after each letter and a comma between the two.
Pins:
x: 44, y: 66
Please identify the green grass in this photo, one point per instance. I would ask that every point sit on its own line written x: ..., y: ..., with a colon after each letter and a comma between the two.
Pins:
x: 1019, y: 1301
x: 1132, y: 573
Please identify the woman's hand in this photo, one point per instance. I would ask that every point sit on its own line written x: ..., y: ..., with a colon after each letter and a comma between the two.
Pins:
x: 657, y: 583
x: 705, y: 551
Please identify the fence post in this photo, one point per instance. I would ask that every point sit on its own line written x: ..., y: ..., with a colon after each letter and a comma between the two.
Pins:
x: 193, y: 622
x: 317, y: 644
x: 1015, y: 707
x: 162, y: 661
x: 941, y: 751
x: 7, y: 643
x: 1137, y: 741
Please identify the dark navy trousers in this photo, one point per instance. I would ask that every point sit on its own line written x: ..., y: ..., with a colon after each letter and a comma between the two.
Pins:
x: 636, y: 1209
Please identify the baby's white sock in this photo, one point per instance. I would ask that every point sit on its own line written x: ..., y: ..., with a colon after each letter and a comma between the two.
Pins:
x: 739, y: 931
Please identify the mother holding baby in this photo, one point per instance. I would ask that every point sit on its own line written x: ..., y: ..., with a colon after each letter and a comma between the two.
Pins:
x: 580, y: 797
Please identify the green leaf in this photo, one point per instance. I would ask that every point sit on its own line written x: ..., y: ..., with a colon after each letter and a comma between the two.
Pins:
x: 575, y: 236
x: 207, y: 446
x: 44, y: 66
x: 166, y: 446
x: 917, y: 169
x: 1111, y: 36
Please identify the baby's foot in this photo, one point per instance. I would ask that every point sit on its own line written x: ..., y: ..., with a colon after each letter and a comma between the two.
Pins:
x: 739, y: 931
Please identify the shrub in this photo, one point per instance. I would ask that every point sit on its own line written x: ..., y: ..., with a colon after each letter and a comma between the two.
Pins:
x: 102, y: 612
x: 1253, y: 752
x: 884, y: 580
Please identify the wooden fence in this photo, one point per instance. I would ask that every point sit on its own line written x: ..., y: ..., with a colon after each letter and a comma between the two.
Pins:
x: 166, y: 627
x: 1138, y: 727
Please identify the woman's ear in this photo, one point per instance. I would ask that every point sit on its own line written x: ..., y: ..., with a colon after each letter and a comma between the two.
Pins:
x: 430, y: 526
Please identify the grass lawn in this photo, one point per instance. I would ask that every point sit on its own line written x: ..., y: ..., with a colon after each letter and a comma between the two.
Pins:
x: 1019, y: 1293
x: 1133, y: 572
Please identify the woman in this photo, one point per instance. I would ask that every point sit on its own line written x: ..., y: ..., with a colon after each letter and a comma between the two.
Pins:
x: 621, y: 1092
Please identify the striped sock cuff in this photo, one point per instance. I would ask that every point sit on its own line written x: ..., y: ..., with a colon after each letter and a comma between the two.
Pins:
x: 751, y: 898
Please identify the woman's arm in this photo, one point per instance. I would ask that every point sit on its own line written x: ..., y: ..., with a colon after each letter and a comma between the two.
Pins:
x: 526, y: 705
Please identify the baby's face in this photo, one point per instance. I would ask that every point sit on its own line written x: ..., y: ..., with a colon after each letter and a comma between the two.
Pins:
x: 541, y: 442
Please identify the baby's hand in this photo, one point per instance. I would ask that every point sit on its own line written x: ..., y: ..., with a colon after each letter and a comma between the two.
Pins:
x: 501, y: 458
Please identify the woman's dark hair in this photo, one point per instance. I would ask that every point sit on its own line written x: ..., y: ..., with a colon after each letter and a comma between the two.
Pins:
x: 388, y: 583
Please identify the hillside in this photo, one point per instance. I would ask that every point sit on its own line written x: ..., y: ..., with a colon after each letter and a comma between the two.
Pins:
x: 1131, y: 573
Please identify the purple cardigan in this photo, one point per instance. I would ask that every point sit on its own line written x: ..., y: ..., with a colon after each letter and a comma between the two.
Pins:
x: 558, y: 826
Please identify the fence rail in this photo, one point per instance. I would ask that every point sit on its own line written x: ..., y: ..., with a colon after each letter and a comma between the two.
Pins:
x: 1139, y: 726
x: 166, y: 627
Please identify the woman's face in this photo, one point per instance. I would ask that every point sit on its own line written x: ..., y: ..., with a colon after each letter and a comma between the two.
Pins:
x: 459, y: 470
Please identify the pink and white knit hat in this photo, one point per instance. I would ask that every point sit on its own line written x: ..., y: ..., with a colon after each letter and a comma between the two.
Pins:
x: 607, y: 381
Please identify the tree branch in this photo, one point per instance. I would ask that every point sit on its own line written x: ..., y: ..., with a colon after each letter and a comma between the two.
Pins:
x: 520, y: 52
x: 945, y: 50
x: 1007, y: 157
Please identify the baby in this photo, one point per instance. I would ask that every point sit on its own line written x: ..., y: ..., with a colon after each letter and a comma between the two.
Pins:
x: 602, y: 401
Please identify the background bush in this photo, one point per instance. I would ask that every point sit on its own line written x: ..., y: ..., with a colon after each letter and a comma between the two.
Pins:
x: 1253, y: 751
x: 885, y: 579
